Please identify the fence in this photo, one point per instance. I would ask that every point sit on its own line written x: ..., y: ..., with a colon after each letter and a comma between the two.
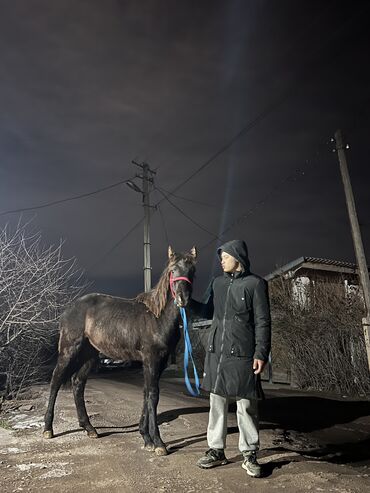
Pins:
x: 199, y: 336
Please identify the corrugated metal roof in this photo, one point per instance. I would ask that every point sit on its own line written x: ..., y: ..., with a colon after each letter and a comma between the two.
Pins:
x: 341, y: 266
x: 338, y: 263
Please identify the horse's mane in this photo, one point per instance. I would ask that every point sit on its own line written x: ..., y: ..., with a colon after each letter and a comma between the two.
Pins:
x: 156, y: 298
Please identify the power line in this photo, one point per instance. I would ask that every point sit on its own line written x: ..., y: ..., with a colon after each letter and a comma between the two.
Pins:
x: 303, y: 31
x: 249, y: 126
x: 294, y: 175
x: 239, y: 220
x: 155, y: 208
x: 290, y: 177
x: 121, y: 240
x: 167, y: 192
x: 270, y: 108
x: 164, y: 226
x: 68, y: 199
x: 186, y: 215
x: 243, y: 217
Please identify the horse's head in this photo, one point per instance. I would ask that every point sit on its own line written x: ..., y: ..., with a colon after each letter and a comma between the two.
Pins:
x: 181, y: 267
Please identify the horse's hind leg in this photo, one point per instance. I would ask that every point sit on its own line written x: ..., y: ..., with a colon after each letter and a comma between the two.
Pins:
x: 78, y: 384
x: 60, y: 376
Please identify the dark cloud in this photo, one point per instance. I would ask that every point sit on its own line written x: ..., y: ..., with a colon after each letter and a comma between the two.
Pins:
x: 87, y: 86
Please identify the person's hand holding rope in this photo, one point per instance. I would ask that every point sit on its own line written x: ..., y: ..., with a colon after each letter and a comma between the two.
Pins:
x: 258, y: 366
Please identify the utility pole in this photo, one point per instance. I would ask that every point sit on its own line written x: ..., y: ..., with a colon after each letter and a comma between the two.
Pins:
x: 147, y: 180
x: 356, y: 236
x: 147, y: 265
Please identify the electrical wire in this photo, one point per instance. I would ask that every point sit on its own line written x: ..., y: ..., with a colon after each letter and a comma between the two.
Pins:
x: 248, y: 127
x: 284, y: 54
x: 167, y: 192
x: 293, y: 176
x: 243, y: 217
x: 164, y: 225
x: 307, y: 74
x: 187, y: 216
x: 117, y: 244
x: 68, y: 199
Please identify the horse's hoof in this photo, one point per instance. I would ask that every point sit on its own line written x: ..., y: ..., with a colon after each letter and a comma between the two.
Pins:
x: 149, y: 447
x: 161, y: 451
x: 92, y: 434
x: 48, y: 434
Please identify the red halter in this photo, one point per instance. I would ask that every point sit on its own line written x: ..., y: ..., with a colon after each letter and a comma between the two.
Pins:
x: 173, y: 279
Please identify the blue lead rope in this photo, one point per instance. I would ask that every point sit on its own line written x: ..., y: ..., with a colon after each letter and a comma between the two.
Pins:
x: 188, y: 352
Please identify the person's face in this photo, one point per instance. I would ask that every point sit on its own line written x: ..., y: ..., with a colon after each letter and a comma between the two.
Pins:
x: 229, y: 263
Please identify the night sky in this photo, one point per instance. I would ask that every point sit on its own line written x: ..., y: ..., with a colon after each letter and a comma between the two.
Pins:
x: 247, y: 92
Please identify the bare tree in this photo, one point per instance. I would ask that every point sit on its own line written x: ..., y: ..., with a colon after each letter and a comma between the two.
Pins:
x: 36, y: 283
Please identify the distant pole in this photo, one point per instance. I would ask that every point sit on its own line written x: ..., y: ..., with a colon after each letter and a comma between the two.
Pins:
x: 356, y: 236
x: 147, y: 178
x: 146, y: 204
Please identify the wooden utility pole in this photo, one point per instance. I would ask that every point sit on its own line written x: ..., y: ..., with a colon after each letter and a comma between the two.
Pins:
x: 147, y: 178
x: 356, y: 236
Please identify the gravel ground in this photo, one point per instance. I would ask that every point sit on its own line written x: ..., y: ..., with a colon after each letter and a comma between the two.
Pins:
x: 308, y: 443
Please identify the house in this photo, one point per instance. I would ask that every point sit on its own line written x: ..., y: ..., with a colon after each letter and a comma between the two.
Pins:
x: 305, y: 272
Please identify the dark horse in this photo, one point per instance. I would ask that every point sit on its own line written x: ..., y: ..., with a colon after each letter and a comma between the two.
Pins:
x: 145, y: 328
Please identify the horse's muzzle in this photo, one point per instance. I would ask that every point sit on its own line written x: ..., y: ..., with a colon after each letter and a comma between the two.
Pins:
x: 180, y: 302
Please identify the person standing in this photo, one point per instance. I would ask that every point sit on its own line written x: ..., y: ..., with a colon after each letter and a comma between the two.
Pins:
x: 238, y: 349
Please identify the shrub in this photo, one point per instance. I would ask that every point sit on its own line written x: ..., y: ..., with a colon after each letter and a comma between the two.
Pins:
x: 35, y: 285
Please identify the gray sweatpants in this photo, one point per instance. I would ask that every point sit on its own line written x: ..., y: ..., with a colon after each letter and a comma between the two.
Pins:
x: 247, y: 417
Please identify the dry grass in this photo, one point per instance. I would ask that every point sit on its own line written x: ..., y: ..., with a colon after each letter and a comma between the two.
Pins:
x: 321, y: 339
x: 320, y: 343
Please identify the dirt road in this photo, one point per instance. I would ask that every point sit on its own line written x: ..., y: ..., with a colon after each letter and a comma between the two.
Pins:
x: 309, y: 443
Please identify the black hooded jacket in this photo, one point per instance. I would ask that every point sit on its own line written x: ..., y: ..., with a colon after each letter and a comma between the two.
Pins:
x: 240, y: 331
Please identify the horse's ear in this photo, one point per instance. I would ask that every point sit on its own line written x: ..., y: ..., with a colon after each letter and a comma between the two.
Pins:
x: 193, y: 252
x: 171, y: 253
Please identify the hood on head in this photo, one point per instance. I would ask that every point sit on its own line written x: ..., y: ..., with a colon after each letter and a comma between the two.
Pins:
x: 237, y: 249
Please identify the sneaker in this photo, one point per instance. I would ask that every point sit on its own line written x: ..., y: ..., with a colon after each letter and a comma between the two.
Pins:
x: 250, y: 464
x: 213, y: 457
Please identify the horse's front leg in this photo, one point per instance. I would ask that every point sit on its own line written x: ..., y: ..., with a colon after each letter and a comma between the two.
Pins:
x: 152, y: 374
x: 144, y: 423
